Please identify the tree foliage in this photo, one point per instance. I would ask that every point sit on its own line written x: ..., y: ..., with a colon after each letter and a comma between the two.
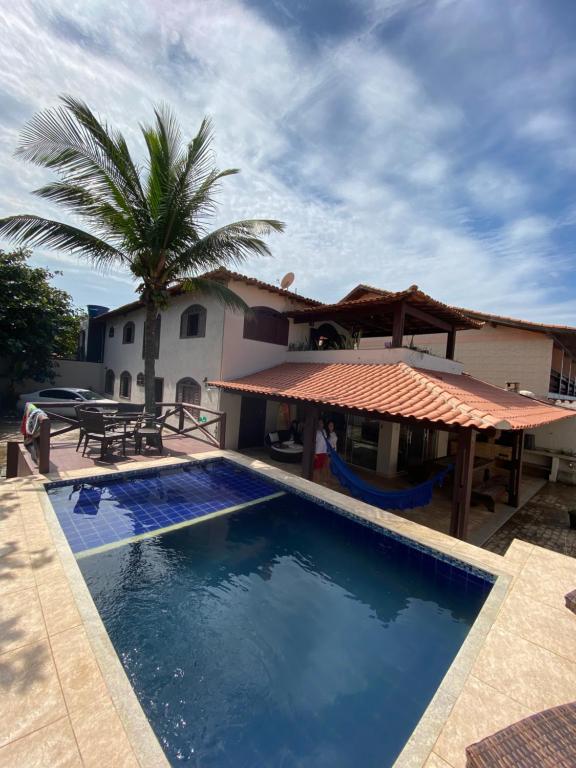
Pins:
x: 152, y: 219
x: 37, y: 321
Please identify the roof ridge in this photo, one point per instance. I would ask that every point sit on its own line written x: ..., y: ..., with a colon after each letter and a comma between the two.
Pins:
x: 260, y: 283
x: 454, y: 401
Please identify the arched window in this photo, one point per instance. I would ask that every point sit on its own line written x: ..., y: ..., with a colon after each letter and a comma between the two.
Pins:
x: 125, y: 385
x: 158, y: 331
x: 109, y: 381
x: 266, y: 324
x: 128, y: 333
x: 193, y: 322
x: 111, y: 332
x: 140, y: 380
x: 188, y: 391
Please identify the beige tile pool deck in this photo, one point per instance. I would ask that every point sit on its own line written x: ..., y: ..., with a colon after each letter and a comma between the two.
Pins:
x: 65, y: 700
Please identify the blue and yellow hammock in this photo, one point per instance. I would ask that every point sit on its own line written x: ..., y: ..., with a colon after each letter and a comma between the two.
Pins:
x: 418, y: 496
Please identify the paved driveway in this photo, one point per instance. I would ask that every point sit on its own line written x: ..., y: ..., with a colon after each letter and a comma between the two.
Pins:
x: 543, y: 521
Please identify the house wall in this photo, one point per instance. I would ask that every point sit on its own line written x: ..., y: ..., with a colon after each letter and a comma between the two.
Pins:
x: 381, y: 355
x: 560, y: 435
x: 240, y: 356
x: 178, y: 358
x: 67, y: 373
x: 496, y: 354
x: 221, y: 353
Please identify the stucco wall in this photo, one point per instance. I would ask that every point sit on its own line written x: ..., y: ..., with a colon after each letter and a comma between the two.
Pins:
x: 196, y: 358
x: 67, y: 373
x: 244, y: 356
x: 495, y: 354
x: 560, y: 435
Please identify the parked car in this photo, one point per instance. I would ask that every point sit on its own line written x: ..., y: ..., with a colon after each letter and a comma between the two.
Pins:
x: 43, y: 398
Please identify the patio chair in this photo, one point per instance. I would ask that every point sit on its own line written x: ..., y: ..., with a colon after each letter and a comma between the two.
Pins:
x: 96, y: 429
x: 151, y: 431
x: 81, y: 429
x: 543, y: 740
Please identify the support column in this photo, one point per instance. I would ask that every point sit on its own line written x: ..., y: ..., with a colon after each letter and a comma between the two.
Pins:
x: 309, y: 441
x: 451, y: 344
x: 44, y: 447
x: 388, y: 440
x: 516, y: 468
x: 462, y: 484
x: 398, y: 325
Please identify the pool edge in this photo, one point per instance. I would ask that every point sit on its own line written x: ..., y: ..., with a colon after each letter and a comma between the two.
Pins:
x: 422, y: 740
x: 141, y: 736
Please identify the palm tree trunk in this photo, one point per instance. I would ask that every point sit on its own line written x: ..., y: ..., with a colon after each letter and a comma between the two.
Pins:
x: 150, y: 357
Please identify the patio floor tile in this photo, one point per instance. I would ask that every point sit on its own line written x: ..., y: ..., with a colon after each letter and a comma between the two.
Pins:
x: 101, y: 736
x: 525, y: 672
x: 30, y: 694
x: 21, y: 620
x: 53, y: 746
x: 58, y: 605
x: 543, y: 625
x: 81, y: 679
x: 479, y: 711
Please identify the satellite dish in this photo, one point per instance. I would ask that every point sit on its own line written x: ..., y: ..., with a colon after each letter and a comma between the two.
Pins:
x: 287, y: 280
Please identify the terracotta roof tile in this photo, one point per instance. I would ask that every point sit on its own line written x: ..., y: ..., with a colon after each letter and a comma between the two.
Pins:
x: 216, y: 274
x: 412, y: 295
x: 399, y: 390
x: 516, y: 322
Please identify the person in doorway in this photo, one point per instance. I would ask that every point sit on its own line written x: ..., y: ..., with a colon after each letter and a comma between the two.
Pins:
x: 320, y: 454
x: 332, y: 436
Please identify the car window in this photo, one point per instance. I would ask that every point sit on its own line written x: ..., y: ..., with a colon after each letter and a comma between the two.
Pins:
x: 87, y: 394
x: 60, y: 394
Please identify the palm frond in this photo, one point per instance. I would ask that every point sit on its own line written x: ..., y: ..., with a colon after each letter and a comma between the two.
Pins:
x: 229, y: 245
x: 36, y: 231
x: 215, y: 290
x: 71, y: 141
x: 103, y: 216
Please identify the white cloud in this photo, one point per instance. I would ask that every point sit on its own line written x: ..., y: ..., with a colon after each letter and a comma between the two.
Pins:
x: 347, y: 143
x: 497, y: 190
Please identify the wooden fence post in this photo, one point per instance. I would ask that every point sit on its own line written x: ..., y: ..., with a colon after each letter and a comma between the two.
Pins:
x: 222, y: 433
x: 44, y: 447
x: 12, y: 451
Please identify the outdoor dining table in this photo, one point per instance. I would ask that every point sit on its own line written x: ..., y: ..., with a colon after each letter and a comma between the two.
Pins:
x: 124, y: 419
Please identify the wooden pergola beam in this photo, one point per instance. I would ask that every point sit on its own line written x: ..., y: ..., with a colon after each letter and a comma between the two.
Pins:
x: 398, y: 324
x: 451, y: 344
x: 462, y: 488
x: 309, y: 441
x: 516, y: 468
x: 426, y: 317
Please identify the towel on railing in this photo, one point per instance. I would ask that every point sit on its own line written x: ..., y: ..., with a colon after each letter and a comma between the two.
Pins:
x: 30, y: 428
x: 408, y: 498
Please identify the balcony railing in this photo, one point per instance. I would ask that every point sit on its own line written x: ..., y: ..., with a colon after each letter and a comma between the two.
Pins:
x: 188, y: 419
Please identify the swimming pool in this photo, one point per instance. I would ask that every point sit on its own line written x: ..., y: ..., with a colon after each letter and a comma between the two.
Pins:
x: 275, y: 631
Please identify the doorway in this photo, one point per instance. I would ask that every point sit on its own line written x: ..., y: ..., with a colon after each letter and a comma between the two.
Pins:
x: 252, y: 422
x: 417, y: 444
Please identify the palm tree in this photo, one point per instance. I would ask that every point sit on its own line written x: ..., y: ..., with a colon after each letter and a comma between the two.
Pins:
x: 152, y: 220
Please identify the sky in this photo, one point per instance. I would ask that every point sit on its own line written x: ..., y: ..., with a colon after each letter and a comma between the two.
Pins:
x: 427, y: 142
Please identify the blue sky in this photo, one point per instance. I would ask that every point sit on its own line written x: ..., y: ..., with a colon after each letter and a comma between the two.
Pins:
x: 402, y: 141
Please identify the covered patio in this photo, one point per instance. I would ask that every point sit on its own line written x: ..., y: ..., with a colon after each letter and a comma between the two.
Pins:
x: 467, y: 409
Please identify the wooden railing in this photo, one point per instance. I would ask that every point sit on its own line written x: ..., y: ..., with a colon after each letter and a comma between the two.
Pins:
x: 189, y: 419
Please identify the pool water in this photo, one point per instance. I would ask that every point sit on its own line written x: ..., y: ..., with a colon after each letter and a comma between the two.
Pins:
x: 282, y: 635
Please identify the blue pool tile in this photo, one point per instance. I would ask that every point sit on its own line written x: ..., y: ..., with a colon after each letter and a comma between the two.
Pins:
x: 99, y: 511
